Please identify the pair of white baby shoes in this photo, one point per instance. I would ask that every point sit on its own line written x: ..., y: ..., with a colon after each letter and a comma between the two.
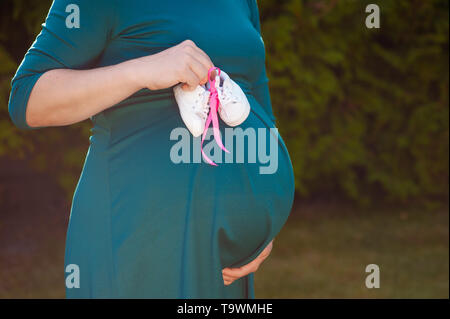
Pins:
x: 194, y: 105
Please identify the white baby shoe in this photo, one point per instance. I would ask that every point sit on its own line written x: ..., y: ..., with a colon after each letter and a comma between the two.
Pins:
x: 194, y: 107
x: 234, y: 107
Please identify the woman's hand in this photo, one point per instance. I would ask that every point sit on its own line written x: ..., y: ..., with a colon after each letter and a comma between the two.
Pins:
x: 65, y: 96
x: 185, y: 63
x: 231, y: 274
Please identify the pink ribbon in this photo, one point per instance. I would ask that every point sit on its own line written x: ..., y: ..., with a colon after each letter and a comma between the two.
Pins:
x: 212, y: 116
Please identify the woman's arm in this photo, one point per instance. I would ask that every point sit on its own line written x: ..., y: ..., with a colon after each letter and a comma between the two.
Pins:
x: 65, y: 96
x: 57, y: 84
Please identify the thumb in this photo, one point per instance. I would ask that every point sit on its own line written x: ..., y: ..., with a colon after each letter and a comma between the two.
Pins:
x: 187, y: 87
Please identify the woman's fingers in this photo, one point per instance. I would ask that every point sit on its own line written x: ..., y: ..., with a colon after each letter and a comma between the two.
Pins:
x: 191, y: 80
x: 201, y: 55
x: 242, y: 271
x: 198, y: 60
x: 172, y: 66
x: 200, y: 69
x: 228, y: 280
x: 231, y: 274
x: 225, y: 277
x: 203, y: 58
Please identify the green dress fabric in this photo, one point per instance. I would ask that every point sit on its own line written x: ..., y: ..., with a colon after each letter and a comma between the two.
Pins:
x: 141, y: 225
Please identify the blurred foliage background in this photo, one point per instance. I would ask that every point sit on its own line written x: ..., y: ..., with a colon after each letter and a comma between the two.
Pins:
x: 58, y: 151
x: 364, y: 113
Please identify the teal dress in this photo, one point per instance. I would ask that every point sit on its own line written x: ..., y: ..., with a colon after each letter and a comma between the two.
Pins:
x: 143, y: 225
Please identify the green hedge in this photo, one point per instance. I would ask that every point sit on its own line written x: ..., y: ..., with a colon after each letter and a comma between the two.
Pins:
x: 364, y: 112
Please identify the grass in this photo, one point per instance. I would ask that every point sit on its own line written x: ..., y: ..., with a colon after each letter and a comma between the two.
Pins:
x: 324, y: 255
x: 319, y: 254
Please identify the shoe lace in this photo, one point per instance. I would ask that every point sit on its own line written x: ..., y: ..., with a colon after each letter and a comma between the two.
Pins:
x: 228, y: 96
x: 213, y: 100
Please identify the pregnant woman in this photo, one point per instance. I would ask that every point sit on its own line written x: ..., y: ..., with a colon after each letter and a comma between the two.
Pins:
x: 141, y: 225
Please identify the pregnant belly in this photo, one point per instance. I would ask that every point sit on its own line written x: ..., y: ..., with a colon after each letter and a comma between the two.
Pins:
x: 252, y: 209
x: 235, y: 208
x: 254, y: 198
